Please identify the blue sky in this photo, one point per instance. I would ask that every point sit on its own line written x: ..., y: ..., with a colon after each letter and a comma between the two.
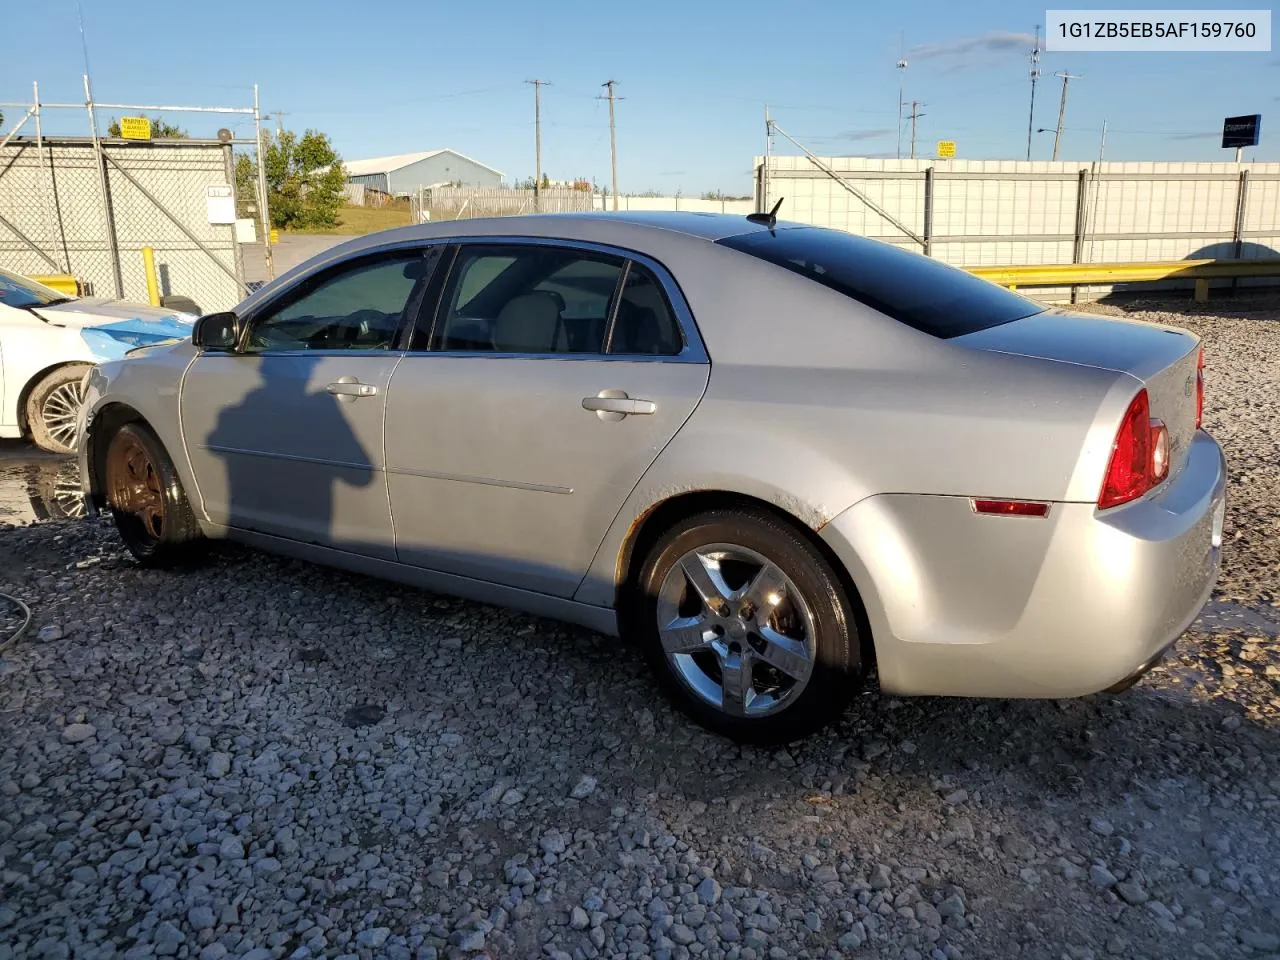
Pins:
x: 397, y: 76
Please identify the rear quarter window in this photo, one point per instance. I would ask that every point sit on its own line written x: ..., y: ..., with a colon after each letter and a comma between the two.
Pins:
x: 925, y: 294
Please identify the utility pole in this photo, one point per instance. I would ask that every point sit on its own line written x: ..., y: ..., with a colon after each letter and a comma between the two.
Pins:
x: 764, y: 170
x: 537, y: 143
x: 613, y: 141
x: 915, y: 115
x: 278, y: 114
x: 902, y: 73
x: 1035, y: 75
x: 1062, y: 108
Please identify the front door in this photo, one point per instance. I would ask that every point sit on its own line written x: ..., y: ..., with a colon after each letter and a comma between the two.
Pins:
x: 554, y: 378
x: 285, y: 435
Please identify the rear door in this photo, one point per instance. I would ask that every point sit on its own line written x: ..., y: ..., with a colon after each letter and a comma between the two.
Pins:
x: 552, y: 377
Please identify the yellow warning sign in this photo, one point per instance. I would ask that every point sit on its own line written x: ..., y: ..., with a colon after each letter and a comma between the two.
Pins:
x: 947, y: 149
x: 135, y: 128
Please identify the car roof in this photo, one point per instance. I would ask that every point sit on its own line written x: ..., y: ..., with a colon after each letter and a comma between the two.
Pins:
x: 643, y: 231
x: 589, y: 225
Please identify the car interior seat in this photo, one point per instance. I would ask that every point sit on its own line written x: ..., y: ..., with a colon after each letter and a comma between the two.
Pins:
x: 530, y: 323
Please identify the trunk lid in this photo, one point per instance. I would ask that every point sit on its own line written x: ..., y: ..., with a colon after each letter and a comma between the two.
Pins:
x: 1164, y: 358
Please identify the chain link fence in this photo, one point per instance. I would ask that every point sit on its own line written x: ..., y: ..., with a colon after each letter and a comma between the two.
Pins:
x: 462, y: 203
x: 54, y: 217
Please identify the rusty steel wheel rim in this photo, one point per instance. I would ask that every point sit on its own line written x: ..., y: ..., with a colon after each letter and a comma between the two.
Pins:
x: 134, y: 485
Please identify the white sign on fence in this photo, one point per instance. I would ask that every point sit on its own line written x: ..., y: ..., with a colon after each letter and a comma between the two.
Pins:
x: 221, y: 201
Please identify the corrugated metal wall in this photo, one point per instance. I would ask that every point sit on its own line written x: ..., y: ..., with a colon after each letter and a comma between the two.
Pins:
x: 1015, y: 212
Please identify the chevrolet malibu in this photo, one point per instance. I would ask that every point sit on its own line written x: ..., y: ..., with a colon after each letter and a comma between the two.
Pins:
x: 779, y: 458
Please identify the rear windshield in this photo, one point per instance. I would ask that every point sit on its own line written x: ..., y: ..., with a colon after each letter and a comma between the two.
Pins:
x: 929, y: 295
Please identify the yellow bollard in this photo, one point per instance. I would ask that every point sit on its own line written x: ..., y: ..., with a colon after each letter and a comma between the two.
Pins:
x: 153, y: 282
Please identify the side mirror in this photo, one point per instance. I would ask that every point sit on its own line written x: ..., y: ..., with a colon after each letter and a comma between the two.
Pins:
x: 217, y: 331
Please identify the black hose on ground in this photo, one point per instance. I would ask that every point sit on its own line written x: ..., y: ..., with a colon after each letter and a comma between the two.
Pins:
x: 26, y: 622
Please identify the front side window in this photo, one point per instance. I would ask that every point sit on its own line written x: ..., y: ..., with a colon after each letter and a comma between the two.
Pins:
x: 527, y: 299
x: 357, y: 307
x: 924, y: 294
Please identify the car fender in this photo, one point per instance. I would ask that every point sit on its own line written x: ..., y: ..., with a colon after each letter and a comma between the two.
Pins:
x: 718, y: 450
x: 152, y: 389
x: 30, y: 350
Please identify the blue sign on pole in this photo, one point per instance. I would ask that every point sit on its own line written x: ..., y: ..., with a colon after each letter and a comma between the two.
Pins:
x: 1241, y: 131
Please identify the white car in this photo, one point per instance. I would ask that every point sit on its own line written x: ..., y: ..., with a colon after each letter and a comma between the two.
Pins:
x: 49, y: 341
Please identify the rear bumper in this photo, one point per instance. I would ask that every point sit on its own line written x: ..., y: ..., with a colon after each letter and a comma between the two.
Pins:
x: 966, y: 605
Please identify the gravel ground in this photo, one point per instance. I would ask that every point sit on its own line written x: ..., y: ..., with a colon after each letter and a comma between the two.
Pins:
x: 268, y: 759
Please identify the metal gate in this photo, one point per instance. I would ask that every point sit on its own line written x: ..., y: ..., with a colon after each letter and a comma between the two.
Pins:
x: 68, y: 205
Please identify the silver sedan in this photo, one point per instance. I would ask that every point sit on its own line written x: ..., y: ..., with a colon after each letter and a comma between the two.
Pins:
x: 779, y: 458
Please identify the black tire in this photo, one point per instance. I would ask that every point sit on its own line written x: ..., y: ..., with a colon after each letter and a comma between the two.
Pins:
x: 58, y: 388
x: 837, y: 670
x: 146, y: 500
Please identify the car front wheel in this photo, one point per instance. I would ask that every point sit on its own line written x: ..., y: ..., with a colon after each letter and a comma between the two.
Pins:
x: 146, y: 498
x: 747, y: 626
x: 53, y: 408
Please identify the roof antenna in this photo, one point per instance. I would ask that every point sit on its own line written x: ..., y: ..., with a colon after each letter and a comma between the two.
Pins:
x: 769, y: 219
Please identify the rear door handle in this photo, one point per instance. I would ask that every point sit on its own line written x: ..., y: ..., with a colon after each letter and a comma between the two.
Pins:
x: 615, y: 404
x: 349, y: 388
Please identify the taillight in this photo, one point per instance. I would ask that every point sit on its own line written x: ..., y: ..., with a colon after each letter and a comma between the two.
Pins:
x: 1139, y: 456
x: 1200, y: 387
x: 1159, y: 452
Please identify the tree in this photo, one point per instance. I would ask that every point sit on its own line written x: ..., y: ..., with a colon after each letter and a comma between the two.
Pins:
x: 246, y: 186
x: 721, y: 195
x: 161, y: 129
x: 305, y: 178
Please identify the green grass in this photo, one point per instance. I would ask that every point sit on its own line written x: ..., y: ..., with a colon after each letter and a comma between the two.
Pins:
x: 362, y: 220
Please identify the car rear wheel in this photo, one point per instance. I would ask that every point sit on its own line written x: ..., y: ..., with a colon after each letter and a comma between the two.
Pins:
x: 53, y: 408
x: 747, y: 627
x: 146, y: 499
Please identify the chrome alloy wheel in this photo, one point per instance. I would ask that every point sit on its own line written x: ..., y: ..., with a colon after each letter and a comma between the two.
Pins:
x: 61, y: 411
x: 736, y: 630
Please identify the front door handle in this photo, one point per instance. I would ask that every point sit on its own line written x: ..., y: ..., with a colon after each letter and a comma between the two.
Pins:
x: 615, y: 404
x: 349, y: 389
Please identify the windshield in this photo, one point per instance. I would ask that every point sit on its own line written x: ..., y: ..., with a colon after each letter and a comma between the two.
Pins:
x: 925, y: 294
x: 16, y: 291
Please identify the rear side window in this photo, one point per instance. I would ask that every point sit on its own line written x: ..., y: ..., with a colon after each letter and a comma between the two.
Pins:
x: 527, y: 299
x: 644, y: 325
x: 925, y: 294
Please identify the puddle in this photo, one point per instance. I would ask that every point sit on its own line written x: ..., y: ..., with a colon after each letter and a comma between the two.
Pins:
x: 1221, y: 616
x: 35, y: 490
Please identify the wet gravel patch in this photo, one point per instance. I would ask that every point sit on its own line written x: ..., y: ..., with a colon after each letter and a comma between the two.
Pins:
x: 267, y: 759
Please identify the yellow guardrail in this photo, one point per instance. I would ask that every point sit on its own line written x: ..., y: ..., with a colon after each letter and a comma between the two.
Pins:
x: 64, y: 283
x: 1082, y: 274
